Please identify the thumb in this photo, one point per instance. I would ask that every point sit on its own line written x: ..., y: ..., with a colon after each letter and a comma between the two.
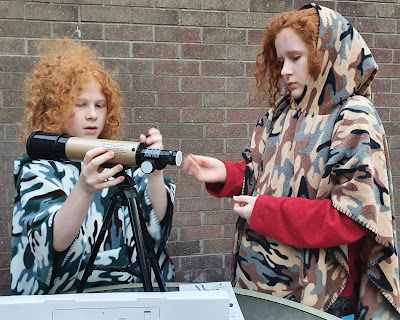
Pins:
x: 240, y: 199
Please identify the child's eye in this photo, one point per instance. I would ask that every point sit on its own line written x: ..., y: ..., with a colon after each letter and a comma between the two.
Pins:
x: 100, y: 105
x: 80, y: 104
x: 295, y: 58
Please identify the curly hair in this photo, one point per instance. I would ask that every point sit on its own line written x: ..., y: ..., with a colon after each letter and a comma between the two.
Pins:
x: 306, y: 25
x: 57, y: 81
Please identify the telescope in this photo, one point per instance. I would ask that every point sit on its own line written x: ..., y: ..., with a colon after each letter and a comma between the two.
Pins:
x: 61, y: 147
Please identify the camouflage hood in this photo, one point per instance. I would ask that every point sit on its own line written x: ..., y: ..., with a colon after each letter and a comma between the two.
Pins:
x: 330, y: 144
x: 347, y: 65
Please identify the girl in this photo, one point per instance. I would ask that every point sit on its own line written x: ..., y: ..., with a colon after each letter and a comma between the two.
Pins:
x: 59, y: 207
x: 316, y: 212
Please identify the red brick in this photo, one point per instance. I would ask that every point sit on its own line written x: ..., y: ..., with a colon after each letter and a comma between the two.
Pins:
x: 394, y: 143
x: 138, y: 3
x: 256, y: 37
x: 199, y: 204
x: 208, y: 275
x: 185, y: 248
x: 222, y: 68
x: 203, y: 84
x: 92, y: 31
x: 248, y: 20
x: 352, y: 9
x: 182, y: 130
x: 220, y: 35
x: 202, y: 262
x: 396, y: 85
x: 130, y: 66
x: 384, y: 113
x: 225, y: 100
x: 395, y: 114
x: 5, y: 244
x: 105, y: 14
x: 12, y: 115
x: 243, y: 53
x: 128, y: 32
x: 203, y: 146
x: 369, y: 39
x: 269, y: 6
x: 203, y: 52
x: 51, y: 12
x: 218, y: 245
x: 11, y: 10
x: 377, y: 25
x: 181, y: 4
x: 388, y: 11
x: 5, y: 260
x: 386, y: 99
x: 390, y: 41
x: 157, y: 84
x: 155, y: 16
x: 245, y: 115
x: 179, y: 99
x: 226, y: 5
x: 202, y: 115
x: 226, y: 130
x: 203, y: 18
x: 389, y: 70
x: 176, y: 67
x: 139, y: 99
x: 185, y: 219
x: 189, y: 190
x: 155, y: 50
x: 110, y: 48
x: 156, y: 115
x: 229, y: 230
x: 201, y: 232
x: 236, y: 145
x: 381, y: 85
x: 177, y: 34
x: 382, y: 55
x: 219, y: 218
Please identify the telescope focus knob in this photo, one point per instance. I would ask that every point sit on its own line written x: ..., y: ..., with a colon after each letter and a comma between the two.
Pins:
x: 147, y: 166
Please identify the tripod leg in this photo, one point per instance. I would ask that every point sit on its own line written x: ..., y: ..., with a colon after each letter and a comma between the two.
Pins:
x: 96, y: 247
x: 139, y: 240
x: 151, y: 256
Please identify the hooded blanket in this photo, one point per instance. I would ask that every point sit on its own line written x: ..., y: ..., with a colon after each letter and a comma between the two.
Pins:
x: 330, y: 144
x: 41, y: 189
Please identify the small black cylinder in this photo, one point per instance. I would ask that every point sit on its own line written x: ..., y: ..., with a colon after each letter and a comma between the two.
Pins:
x: 46, y: 146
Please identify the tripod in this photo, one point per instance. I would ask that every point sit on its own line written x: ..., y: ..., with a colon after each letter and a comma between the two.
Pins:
x: 126, y: 194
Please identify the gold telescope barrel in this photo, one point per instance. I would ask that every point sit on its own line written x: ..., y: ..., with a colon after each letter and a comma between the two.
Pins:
x: 60, y: 147
x: 124, y: 151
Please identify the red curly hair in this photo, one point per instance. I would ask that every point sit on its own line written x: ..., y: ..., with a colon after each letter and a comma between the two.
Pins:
x: 57, y: 81
x: 306, y: 25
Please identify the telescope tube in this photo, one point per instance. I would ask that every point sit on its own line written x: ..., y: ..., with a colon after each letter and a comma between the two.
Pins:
x: 49, y: 146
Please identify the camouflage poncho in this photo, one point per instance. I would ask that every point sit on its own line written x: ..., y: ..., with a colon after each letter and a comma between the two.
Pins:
x: 41, y: 189
x: 329, y: 145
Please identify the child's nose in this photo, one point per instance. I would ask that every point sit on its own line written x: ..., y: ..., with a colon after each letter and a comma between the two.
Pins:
x: 92, y: 112
x: 286, y: 69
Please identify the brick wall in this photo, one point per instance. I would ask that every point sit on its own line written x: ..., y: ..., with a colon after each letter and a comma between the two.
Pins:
x: 187, y: 68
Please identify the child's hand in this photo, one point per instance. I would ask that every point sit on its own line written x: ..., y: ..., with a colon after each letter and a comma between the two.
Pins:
x: 153, y: 140
x: 205, y: 169
x: 93, y: 178
x: 244, y: 206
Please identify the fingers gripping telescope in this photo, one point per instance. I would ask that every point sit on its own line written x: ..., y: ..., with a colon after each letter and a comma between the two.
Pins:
x: 48, y: 146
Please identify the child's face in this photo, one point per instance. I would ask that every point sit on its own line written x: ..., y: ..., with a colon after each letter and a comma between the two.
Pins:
x: 90, y: 112
x: 292, y: 52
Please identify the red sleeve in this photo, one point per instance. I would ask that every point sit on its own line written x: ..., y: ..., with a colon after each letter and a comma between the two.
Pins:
x: 304, y: 223
x: 233, y: 183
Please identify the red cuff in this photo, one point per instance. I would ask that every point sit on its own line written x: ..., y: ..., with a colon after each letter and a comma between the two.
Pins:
x: 233, y: 183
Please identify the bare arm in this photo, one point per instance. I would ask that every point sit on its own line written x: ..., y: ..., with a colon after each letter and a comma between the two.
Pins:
x: 156, y: 189
x: 71, y: 215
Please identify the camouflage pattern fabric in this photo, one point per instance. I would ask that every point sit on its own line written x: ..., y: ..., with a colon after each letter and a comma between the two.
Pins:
x: 330, y: 144
x: 41, y: 189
